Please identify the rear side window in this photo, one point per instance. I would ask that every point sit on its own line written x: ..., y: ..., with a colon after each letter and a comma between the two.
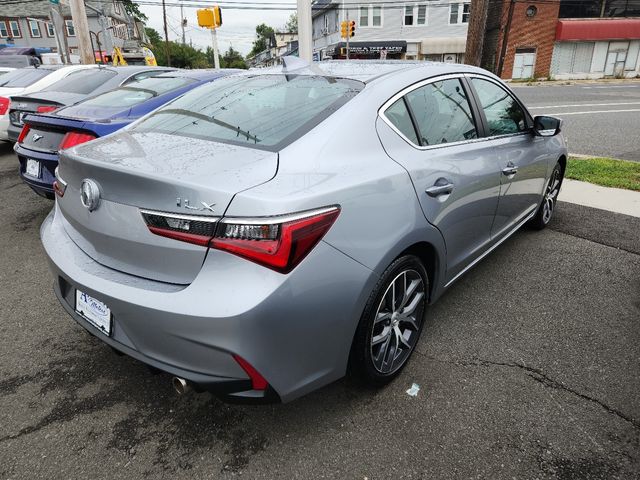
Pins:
x: 399, y: 116
x: 23, y: 77
x: 263, y: 111
x: 137, y: 92
x: 442, y: 113
x: 504, y: 114
x: 82, y: 81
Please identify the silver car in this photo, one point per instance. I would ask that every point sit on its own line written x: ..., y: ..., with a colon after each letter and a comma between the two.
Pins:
x: 263, y: 235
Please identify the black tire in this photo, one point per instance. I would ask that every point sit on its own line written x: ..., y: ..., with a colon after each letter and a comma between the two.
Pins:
x: 367, y: 361
x: 544, y: 215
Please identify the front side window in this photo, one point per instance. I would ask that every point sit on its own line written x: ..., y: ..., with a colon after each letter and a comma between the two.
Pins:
x: 262, y: 111
x: 82, y: 81
x: 399, y: 116
x: 504, y: 114
x: 34, y: 28
x: 71, y: 32
x: 442, y: 113
x: 14, y: 26
x: 364, y: 16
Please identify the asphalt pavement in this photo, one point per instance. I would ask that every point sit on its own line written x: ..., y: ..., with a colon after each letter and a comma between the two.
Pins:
x: 600, y: 118
x: 527, y: 368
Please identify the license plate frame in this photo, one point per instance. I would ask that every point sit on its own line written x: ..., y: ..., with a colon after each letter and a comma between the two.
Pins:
x: 94, y: 311
x: 33, y: 168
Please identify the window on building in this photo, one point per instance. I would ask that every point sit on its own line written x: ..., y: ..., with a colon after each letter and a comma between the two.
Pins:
x: 116, y: 7
x: 442, y: 113
x: 415, y: 15
x: 364, y: 17
x: 71, y: 32
x: 51, y: 31
x: 4, y: 32
x: 370, y: 16
x: 377, y: 17
x: 34, y: 29
x: 599, y: 8
x: 458, y: 13
x: 14, y: 28
x: 504, y: 114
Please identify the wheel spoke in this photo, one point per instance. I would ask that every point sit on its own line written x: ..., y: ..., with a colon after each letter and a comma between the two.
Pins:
x: 381, y: 337
x: 400, y: 338
x: 382, y: 316
x: 409, y: 309
x: 408, y: 292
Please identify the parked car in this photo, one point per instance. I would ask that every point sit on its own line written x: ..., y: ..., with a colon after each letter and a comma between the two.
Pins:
x: 44, y: 135
x: 264, y: 234
x: 27, y: 80
x: 77, y: 87
x: 4, y: 70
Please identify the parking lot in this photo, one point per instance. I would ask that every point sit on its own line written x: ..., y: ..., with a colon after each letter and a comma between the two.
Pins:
x: 528, y: 368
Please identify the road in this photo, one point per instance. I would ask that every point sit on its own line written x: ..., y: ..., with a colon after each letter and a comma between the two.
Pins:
x: 601, y: 119
x: 528, y: 368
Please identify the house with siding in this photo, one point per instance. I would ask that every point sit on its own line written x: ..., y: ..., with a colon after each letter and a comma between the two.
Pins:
x: 420, y: 30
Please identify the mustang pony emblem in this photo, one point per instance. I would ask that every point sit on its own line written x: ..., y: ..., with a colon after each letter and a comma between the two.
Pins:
x: 35, y: 137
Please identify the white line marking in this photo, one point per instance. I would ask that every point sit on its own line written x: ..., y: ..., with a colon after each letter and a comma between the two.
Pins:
x: 587, y: 105
x: 616, y: 86
x: 560, y: 114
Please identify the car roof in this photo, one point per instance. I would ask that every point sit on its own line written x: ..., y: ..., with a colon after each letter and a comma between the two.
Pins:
x: 199, y: 74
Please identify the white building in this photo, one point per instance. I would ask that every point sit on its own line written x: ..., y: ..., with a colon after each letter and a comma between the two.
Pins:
x: 423, y: 30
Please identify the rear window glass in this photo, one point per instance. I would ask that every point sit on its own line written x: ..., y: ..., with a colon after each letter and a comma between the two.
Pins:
x: 23, y: 77
x: 82, y: 81
x: 263, y: 111
x: 137, y: 92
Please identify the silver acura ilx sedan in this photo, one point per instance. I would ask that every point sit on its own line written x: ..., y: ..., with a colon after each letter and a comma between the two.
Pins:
x: 267, y: 233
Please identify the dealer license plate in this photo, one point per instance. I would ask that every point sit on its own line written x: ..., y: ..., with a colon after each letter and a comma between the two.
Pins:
x: 96, y: 312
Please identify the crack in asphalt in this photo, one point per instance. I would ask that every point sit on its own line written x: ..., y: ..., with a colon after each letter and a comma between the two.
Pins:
x: 541, y: 377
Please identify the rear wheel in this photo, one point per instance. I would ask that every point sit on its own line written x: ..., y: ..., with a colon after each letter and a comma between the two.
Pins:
x: 547, y: 207
x: 391, y: 323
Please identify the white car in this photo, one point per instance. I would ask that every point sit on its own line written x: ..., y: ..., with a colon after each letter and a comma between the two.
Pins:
x: 28, y: 80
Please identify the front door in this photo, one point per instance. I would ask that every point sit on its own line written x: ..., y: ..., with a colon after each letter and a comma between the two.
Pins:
x: 616, y: 57
x: 523, y: 63
x: 522, y: 157
x: 454, y: 173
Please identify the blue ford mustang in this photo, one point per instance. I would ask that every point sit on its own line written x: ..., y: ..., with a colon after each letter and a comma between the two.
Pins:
x: 44, y: 135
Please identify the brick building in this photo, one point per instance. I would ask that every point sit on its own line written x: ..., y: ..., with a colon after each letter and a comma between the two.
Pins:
x: 562, y: 39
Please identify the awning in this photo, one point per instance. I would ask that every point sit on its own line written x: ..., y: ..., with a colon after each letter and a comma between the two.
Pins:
x: 368, y: 48
x: 603, y: 29
x: 443, y: 45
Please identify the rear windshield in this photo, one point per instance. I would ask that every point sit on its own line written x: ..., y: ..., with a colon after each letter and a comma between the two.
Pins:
x: 137, y: 92
x: 23, y: 77
x: 263, y: 111
x: 82, y: 81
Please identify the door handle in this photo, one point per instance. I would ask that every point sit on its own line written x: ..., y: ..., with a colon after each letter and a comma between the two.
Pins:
x: 440, y: 188
x: 510, y: 169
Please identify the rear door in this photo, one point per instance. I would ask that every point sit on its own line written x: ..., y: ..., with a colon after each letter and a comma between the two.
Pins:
x: 453, y: 171
x: 521, y: 157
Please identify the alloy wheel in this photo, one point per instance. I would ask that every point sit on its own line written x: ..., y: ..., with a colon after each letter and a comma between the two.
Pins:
x: 397, y: 322
x: 551, y: 196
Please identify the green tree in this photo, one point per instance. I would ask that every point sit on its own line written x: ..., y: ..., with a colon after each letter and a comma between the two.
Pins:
x: 133, y: 9
x: 263, y: 39
x: 292, y: 23
x: 153, y: 35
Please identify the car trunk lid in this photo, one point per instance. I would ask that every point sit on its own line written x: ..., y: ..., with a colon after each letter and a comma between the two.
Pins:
x: 159, y: 172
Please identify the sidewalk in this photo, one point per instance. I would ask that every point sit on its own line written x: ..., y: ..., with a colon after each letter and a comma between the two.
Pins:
x: 616, y: 200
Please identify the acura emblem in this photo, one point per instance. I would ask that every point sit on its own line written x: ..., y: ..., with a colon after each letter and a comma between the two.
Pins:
x: 35, y: 137
x: 90, y: 194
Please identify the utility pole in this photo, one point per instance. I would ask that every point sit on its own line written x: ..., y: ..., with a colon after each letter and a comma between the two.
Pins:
x: 305, y: 40
x: 182, y: 22
x: 214, y: 41
x: 60, y: 31
x: 81, y: 27
x: 505, y: 39
x: 166, y: 33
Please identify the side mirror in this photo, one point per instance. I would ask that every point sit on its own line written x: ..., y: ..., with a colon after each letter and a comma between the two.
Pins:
x: 547, y: 126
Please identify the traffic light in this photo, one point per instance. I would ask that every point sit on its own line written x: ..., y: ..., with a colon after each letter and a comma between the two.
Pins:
x: 210, y: 17
x: 351, y: 28
x: 217, y: 17
x: 343, y: 29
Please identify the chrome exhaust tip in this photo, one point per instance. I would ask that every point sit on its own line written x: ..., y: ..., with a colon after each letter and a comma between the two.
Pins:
x: 180, y: 385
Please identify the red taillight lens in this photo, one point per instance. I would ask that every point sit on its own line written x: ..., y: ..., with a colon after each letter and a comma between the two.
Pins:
x: 24, y: 132
x: 279, y: 246
x: 4, y: 105
x: 72, y: 139
x: 279, y: 243
x: 46, y: 108
x: 257, y: 381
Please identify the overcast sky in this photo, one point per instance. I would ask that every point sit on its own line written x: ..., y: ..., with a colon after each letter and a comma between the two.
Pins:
x: 238, y: 26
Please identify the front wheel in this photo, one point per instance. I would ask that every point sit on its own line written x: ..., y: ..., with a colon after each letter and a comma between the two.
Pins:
x: 547, y: 207
x: 391, y: 323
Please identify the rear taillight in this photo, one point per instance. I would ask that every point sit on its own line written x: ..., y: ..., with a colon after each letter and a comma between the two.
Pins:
x: 46, y: 108
x: 279, y: 243
x: 4, y: 105
x: 59, y: 185
x: 72, y: 139
x: 24, y: 132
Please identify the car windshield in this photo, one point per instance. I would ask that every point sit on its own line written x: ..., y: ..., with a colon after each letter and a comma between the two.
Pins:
x: 263, y: 111
x: 137, y: 92
x: 82, y: 81
x: 23, y: 77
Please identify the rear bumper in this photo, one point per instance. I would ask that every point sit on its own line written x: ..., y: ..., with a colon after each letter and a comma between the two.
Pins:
x: 42, y: 185
x: 13, y: 132
x: 295, y: 329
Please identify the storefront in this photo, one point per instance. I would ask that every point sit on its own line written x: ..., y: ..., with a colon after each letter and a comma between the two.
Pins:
x: 388, y: 50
